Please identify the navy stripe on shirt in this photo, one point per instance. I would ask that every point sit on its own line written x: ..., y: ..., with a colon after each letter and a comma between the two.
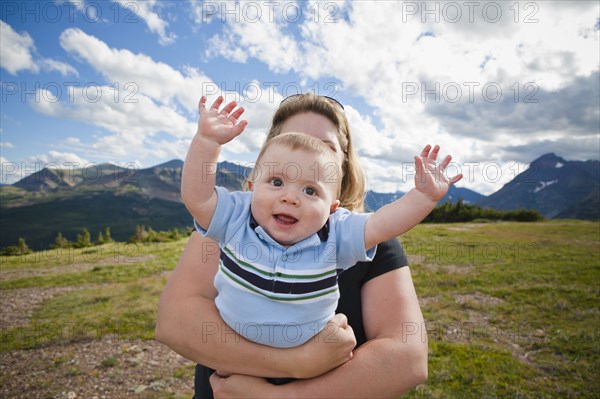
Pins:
x: 276, y: 286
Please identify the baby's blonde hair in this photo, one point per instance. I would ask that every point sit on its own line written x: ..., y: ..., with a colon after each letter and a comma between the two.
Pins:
x: 301, y: 141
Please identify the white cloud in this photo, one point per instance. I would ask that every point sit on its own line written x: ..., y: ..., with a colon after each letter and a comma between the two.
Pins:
x: 61, y: 67
x: 259, y: 34
x: 146, y: 10
x: 18, y: 53
x: 16, y: 50
x: 155, y: 79
x: 57, y: 159
x: 9, y: 171
x: 131, y: 120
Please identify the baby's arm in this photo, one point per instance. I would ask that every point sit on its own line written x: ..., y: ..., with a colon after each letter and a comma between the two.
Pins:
x: 200, y: 168
x: 402, y: 215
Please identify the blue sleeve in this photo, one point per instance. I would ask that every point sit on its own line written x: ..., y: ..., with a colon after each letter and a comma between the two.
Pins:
x: 232, y: 211
x: 349, y: 229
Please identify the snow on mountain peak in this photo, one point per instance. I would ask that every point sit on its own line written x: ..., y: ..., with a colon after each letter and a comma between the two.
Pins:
x: 543, y: 184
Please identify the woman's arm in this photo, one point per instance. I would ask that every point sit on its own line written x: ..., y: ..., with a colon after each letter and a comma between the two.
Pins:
x: 389, y: 364
x: 189, y: 323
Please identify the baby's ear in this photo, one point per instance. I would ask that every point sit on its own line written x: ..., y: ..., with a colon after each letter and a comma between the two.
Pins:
x: 334, y: 206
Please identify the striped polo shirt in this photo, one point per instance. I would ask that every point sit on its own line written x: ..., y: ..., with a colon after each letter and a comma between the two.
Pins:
x: 271, y: 294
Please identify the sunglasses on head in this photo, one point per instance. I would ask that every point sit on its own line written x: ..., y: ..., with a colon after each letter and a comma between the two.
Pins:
x: 330, y: 99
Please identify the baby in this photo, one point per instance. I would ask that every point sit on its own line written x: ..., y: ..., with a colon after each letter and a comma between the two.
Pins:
x: 284, y: 242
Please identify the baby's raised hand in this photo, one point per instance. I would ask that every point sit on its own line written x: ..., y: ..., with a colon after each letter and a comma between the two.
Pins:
x: 220, y: 126
x: 430, y: 178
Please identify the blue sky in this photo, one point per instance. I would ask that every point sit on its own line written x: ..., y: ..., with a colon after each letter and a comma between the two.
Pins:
x: 496, y: 84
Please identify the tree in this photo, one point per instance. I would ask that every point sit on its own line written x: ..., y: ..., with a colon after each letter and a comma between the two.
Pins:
x: 107, y: 237
x: 101, y: 240
x: 23, y: 248
x: 83, y: 239
x: 60, y: 241
x: 140, y: 233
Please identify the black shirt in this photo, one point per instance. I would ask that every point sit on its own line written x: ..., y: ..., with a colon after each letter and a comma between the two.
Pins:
x: 390, y: 256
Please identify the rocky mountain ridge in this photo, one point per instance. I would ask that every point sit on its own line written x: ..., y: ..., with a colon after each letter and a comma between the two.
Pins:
x: 52, y: 200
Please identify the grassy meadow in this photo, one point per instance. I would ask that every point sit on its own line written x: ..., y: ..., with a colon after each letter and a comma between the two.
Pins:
x: 511, y: 309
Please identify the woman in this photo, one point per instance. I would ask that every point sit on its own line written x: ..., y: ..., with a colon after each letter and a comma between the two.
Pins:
x: 378, y: 299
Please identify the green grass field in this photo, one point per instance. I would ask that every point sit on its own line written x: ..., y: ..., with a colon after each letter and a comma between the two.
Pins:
x: 511, y: 309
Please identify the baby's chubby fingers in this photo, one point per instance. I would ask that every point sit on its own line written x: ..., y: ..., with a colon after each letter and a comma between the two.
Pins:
x: 217, y: 104
x: 456, y: 178
x: 434, y: 153
x: 235, y: 115
x: 228, y: 108
x: 446, y: 162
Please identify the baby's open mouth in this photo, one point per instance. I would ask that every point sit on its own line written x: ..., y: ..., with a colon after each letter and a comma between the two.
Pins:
x: 285, y: 219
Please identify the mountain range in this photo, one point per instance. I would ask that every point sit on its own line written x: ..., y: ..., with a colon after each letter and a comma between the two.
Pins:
x: 53, y: 200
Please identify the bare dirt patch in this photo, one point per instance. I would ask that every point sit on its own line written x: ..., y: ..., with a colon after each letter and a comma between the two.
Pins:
x: 19, y: 304
x: 105, y: 368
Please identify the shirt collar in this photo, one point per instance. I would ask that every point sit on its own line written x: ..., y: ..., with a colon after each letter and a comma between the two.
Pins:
x: 323, y: 233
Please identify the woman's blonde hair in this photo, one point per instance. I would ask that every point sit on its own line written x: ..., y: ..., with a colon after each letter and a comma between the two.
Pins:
x: 353, y: 180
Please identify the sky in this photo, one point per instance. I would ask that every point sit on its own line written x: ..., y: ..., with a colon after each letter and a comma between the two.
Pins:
x: 495, y: 84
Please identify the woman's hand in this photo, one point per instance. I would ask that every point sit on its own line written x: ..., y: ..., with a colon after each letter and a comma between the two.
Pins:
x: 220, y: 126
x: 430, y: 178
x: 327, y: 350
x: 239, y: 386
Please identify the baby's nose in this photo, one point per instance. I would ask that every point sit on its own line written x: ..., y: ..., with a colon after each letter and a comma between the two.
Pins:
x: 289, y: 197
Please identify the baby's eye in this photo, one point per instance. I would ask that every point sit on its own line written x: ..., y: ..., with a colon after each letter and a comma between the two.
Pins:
x: 277, y: 182
x: 310, y: 191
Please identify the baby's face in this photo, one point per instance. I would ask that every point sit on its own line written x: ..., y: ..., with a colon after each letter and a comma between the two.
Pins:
x: 294, y: 192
